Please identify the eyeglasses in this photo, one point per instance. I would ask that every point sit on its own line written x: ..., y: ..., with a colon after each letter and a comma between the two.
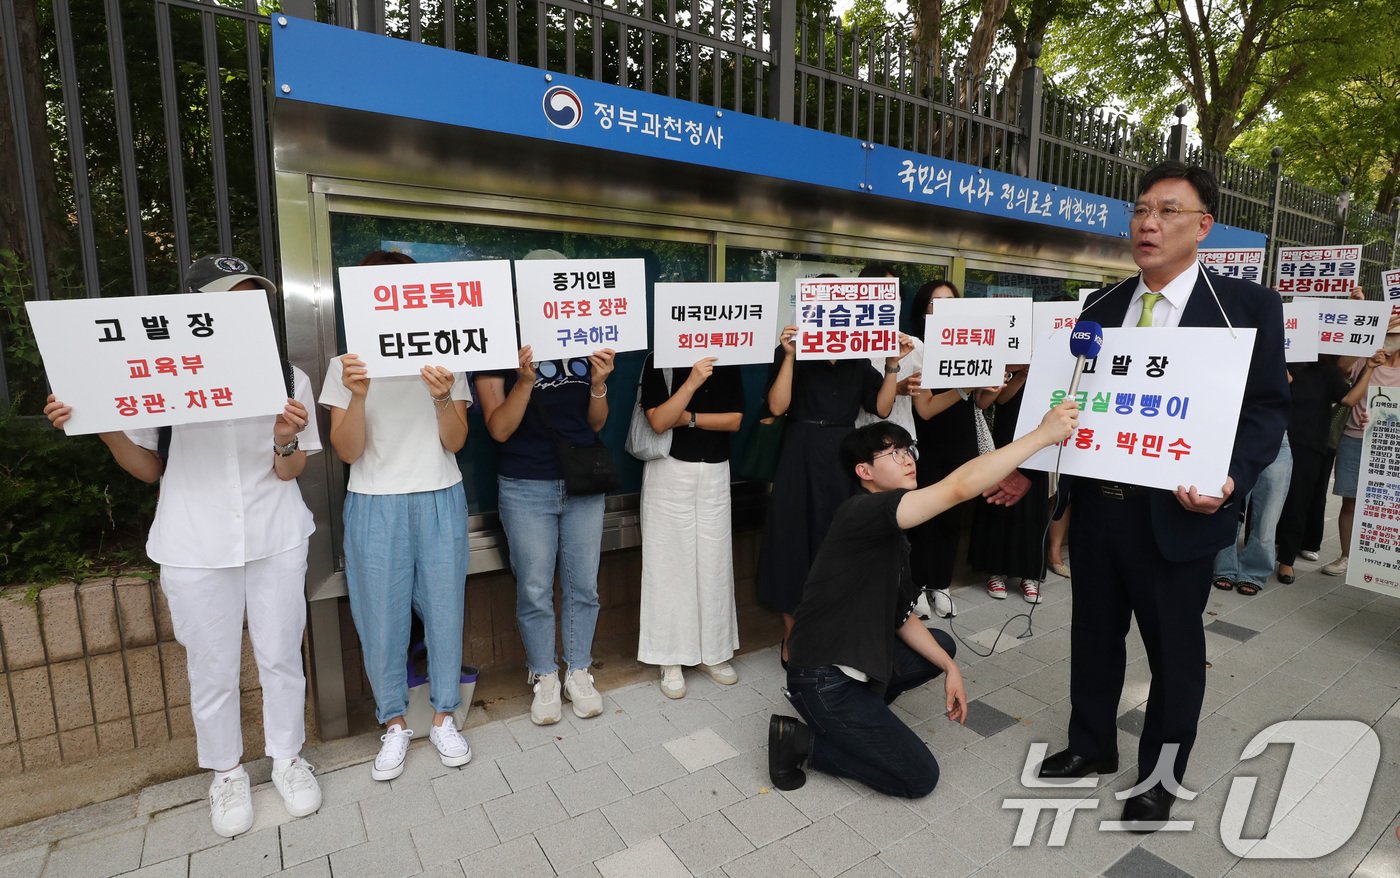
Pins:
x: 907, y: 454
x: 1168, y: 213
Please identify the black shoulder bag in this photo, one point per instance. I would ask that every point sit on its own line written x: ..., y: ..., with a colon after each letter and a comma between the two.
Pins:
x: 588, y: 469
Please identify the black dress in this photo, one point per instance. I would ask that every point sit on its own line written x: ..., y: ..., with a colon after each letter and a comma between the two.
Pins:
x: 946, y: 441
x: 809, y: 483
x: 1009, y: 539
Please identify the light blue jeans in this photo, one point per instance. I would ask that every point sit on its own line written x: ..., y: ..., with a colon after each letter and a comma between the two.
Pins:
x: 544, y: 522
x: 1254, y: 561
x: 406, y: 552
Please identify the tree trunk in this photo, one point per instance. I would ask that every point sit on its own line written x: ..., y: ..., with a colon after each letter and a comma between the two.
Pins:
x: 983, y: 40
x: 1390, y: 185
x: 14, y: 228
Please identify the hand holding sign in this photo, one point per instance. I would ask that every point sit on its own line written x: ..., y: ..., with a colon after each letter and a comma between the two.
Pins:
x: 700, y: 373
x: 1194, y: 501
x: 354, y: 375
x: 290, y: 423
x: 601, y: 363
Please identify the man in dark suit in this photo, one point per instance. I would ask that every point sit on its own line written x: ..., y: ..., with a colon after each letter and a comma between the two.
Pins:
x: 1148, y: 553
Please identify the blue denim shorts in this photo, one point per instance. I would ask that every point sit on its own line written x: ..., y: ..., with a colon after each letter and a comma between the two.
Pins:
x: 1348, y: 466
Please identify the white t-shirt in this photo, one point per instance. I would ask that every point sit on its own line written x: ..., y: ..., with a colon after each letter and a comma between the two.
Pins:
x: 903, y: 411
x: 403, y: 454
x: 221, y: 502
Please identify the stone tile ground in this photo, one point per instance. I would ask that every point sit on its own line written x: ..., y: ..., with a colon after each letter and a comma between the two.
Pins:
x: 659, y: 788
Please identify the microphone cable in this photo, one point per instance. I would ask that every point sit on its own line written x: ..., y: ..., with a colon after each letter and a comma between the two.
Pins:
x: 1028, y: 615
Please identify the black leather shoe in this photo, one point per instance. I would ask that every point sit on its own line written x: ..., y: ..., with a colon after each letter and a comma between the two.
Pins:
x: 1070, y: 765
x: 789, y: 742
x: 1286, y: 578
x: 1149, y: 811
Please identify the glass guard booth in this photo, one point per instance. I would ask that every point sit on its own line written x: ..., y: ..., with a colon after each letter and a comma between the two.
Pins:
x: 349, y: 182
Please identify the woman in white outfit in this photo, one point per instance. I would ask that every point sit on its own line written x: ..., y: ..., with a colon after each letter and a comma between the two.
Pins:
x: 230, y: 534
x: 687, y: 604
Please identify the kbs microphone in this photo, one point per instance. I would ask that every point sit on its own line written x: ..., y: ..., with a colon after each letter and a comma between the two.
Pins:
x: 1085, y: 342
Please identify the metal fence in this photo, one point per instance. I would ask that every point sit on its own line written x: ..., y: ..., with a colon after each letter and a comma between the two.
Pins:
x: 139, y: 136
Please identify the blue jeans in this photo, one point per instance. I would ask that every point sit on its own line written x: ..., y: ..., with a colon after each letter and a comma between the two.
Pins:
x: 542, y: 522
x: 406, y: 552
x: 1254, y: 561
x: 854, y: 732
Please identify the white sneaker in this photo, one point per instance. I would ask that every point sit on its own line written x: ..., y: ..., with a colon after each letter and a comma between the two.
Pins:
x: 672, y: 681
x: 231, y: 805
x: 451, y: 746
x: 921, y: 607
x: 392, y: 752
x: 544, y: 710
x: 300, y: 791
x: 1337, y: 567
x: 722, y: 673
x: 1308, y: 555
x: 578, y: 686
x: 943, y: 606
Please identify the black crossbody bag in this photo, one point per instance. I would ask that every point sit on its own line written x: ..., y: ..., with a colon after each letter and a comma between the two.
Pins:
x: 588, y: 469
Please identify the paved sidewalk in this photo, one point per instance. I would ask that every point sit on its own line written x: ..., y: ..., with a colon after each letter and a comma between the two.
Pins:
x: 657, y: 788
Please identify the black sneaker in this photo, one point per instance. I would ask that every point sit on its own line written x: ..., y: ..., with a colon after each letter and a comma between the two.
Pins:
x: 789, y: 743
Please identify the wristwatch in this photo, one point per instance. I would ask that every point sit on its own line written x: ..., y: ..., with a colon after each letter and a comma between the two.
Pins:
x: 692, y: 420
x: 286, y: 450
x: 891, y: 370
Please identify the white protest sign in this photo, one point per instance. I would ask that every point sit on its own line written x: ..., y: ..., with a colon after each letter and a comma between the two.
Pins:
x: 1375, y: 546
x: 732, y: 322
x: 1349, y: 327
x: 1047, y: 317
x: 1245, y: 263
x: 150, y: 361
x: 458, y: 315
x: 1153, y: 411
x: 964, y: 349
x: 1317, y: 271
x: 847, y: 318
x: 789, y: 272
x: 1017, y: 340
x: 1390, y: 290
x: 1300, y: 332
x: 573, y: 307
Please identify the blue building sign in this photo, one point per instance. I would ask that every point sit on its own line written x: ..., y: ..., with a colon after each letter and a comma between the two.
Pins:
x: 339, y: 67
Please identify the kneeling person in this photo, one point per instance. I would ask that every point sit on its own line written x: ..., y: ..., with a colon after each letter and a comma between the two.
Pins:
x: 856, y: 645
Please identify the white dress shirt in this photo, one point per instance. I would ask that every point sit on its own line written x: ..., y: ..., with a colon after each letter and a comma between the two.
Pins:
x: 221, y: 503
x: 1167, y: 311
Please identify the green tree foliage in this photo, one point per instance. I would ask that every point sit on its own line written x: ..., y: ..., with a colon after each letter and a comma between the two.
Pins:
x: 1232, y: 60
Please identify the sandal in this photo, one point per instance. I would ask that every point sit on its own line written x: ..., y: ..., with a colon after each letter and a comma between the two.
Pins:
x: 1224, y: 584
x: 1248, y: 589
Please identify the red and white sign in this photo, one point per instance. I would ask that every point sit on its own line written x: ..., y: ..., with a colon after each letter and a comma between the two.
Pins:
x: 1152, y: 410
x: 1350, y: 327
x: 847, y: 318
x: 153, y: 361
x: 573, y: 307
x: 458, y: 315
x: 1317, y: 271
x: 1245, y: 263
x: 731, y: 322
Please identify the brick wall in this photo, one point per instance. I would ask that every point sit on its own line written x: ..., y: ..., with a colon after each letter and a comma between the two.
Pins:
x: 94, y: 669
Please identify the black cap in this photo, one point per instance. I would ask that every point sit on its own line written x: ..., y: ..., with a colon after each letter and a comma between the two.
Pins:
x: 217, y: 274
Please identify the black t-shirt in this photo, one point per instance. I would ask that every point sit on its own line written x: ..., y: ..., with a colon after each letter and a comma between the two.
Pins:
x: 858, y: 592
x: 1315, y: 387
x: 562, y: 388
x: 722, y: 392
x: 823, y: 390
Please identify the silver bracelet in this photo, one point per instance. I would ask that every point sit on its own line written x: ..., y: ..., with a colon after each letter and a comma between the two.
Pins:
x: 602, y: 395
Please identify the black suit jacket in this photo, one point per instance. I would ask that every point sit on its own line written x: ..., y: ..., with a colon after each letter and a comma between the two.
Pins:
x: 1183, y: 535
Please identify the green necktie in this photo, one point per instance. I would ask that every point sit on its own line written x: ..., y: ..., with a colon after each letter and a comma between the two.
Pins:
x: 1149, y: 301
